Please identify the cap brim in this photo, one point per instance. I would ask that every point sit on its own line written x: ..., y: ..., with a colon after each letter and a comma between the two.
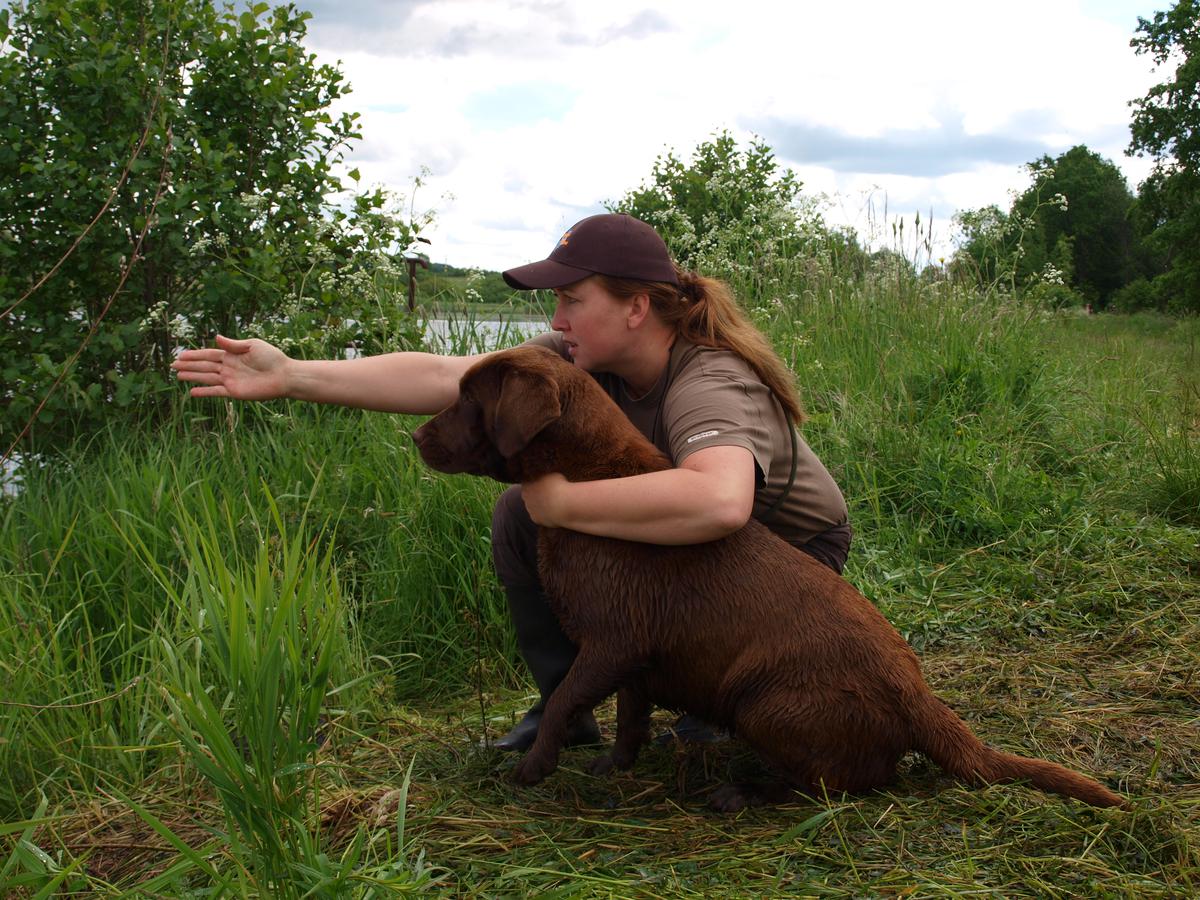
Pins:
x: 543, y: 275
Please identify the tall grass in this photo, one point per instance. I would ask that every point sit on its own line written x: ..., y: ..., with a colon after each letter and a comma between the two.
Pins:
x: 1156, y: 414
x: 241, y: 604
x: 248, y: 687
x: 411, y: 551
x: 222, y: 633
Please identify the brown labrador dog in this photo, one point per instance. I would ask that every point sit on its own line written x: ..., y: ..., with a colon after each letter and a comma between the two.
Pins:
x: 746, y: 632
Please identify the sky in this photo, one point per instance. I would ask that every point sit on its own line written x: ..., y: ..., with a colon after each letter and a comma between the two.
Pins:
x: 529, y: 114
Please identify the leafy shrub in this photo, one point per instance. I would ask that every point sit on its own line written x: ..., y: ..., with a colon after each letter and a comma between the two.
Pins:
x: 1137, y: 295
x: 728, y: 211
x: 1054, y: 295
x: 198, y: 199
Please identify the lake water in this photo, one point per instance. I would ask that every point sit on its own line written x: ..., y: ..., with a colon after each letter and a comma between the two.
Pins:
x: 478, y: 335
x: 10, y: 476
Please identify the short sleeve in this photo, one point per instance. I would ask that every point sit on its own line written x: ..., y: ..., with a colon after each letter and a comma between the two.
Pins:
x: 719, y: 402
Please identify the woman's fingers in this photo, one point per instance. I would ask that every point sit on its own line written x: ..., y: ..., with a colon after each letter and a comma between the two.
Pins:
x: 204, y: 372
x: 191, y: 365
x: 212, y: 377
x: 205, y: 355
x: 215, y: 391
x: 232, y: 345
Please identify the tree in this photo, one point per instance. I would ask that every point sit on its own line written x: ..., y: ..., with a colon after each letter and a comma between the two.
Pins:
x: 176, y: 161
x: 1166, y: 126
x: 1007, y: 250
x: 1071, y: 227
x: 984, y: 253
x: 1089, y: 239
x: 724, y: 207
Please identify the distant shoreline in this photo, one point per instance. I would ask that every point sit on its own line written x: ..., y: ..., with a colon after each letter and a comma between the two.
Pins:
x: 524, y: 312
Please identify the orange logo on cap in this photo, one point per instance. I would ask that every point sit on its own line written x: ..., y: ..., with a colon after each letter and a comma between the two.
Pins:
x: 562, y: 241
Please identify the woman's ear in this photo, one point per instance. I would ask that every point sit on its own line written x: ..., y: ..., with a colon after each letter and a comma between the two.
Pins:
x: 639, y: 308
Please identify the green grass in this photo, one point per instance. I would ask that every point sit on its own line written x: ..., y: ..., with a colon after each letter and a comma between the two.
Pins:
x: 254, y: 651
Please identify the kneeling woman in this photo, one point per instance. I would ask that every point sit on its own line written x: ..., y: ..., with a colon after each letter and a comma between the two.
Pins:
x: 676, y: 353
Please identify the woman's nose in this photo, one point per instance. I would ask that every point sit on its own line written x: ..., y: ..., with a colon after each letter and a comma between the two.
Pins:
x: 558, y: 321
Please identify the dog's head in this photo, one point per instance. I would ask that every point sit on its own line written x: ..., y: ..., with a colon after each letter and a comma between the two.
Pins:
x: 504, y: 402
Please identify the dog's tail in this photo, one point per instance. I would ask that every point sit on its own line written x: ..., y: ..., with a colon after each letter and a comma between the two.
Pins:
x: 944, y: 737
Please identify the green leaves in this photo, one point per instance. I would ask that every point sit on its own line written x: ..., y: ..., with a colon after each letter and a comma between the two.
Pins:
x: 729, y: 211
x: 239, y: 148
x: 1066, y: 240
x: 1166, y: 126
x: 265, y: 642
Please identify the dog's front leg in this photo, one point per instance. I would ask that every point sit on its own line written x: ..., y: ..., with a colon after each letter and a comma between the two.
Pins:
x: 591, y: 678
x: 633, y: 730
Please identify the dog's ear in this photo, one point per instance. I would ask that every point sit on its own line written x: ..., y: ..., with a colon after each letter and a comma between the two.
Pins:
x: 528, y: 403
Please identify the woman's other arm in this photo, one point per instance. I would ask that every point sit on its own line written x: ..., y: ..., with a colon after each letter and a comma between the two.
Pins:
x: 709, y: 496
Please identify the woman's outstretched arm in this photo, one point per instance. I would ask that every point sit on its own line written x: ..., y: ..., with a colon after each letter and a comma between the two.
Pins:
x: 420, y: 383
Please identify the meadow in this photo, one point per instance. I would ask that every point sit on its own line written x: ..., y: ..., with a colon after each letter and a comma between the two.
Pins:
x: 258, y: 650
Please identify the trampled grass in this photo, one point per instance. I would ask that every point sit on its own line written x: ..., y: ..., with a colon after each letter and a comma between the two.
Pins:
x: 1019, y: 485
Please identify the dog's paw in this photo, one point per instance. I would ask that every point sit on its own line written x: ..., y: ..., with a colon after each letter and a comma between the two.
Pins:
x: 728, y: 798
x: 531, y: 770
x: 601, y: 765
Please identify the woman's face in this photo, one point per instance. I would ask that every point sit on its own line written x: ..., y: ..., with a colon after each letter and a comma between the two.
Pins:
x: 594, y: 325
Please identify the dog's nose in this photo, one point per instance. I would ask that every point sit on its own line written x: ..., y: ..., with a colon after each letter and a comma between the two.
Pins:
x: 420, y: 435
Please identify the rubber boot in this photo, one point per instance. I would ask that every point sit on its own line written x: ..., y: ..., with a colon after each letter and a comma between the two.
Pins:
x: 548, y: 653
x: 690, y: 730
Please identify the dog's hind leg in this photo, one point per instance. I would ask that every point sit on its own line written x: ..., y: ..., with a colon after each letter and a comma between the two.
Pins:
x: 633, y: 730
x: 774, y: 735
x: 815, y: 747
x: 592, y: 677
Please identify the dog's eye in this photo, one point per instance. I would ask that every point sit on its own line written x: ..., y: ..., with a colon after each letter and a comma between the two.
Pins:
x: 469, y: 405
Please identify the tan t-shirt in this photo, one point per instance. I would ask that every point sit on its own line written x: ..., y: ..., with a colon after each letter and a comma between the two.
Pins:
x: 712, y: 398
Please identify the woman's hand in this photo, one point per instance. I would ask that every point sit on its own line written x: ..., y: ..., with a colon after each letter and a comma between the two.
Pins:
x: 543, y: 497
x: 244, y: 370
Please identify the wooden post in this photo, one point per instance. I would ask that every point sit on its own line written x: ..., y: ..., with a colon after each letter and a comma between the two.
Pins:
x: 412, y: 259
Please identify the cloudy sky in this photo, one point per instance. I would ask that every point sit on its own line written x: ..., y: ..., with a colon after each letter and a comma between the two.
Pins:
x: 530, y: 113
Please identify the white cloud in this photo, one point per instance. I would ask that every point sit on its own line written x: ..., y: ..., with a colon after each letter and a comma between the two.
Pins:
x: 532, y: 112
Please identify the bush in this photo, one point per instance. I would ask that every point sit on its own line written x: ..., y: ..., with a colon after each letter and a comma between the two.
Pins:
x: 199, y: 146
x: 1138, y: 295
x: 1054, y: 296
x: 728, y: 212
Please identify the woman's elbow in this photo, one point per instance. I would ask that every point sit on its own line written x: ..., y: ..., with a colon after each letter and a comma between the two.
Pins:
x: 730, y: 514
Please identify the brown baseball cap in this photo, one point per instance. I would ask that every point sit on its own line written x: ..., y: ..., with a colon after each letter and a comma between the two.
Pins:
x: 608, y: 244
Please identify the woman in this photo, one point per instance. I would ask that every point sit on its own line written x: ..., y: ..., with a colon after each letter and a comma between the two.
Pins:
x: 675, y: 353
